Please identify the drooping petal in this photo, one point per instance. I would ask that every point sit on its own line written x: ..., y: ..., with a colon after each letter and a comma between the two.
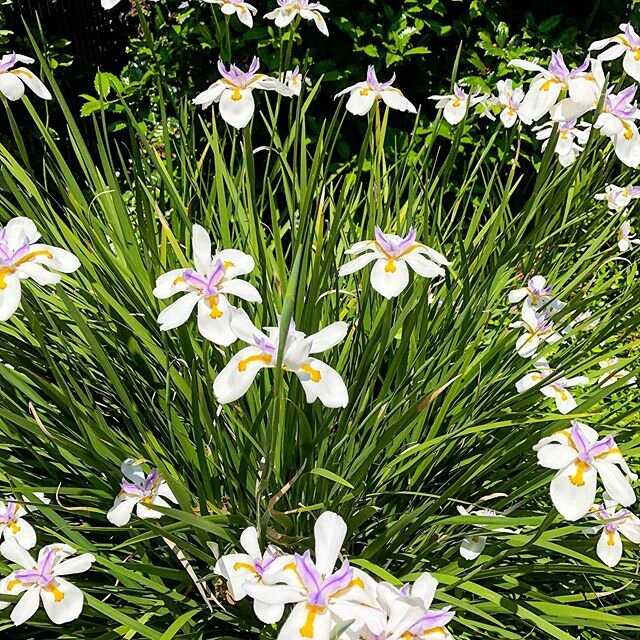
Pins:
x: 237, y: 107
x: 177, y: 313
x: 11, y: 87
x: 120, y: 514
x: 425, y: 589
x: 236, y: 378
x: 631, y: 65
x: 472, y: 546
x: 170, y: 283
x: 242, y: 289
x: 360, y: 101
x: 38, y: 274
x: 389, y: 277
x: 615, y: 483
x: 64, y: 604
x: 358, y: 263
x: 573, y: 490
x: 395, y: 100
x: 10, y: 295
x: 23, y: 532
x: 26, y: 606
x: 236, y: 262
x: 268, y: 613
x: 33, y: 82
x: 13, y: 552
x: 423, y: 267
x: 214, y: 320
x: 320, y: 381
x: 238, y: 569
x: 609, y: 547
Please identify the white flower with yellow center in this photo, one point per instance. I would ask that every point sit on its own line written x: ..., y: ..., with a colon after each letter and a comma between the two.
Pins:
x: 613, y: 523
x: 294, y: 79
x: 243, y: 10
x: 625, y: 44
x: 14, y: 79
x: 288, y: 10
x: 510, y: 101
x: 538, y: 328
x: 572, y: 136
x: 612, y: 373
x: 44, y: 581
x: 207, y: 287
x: 253, y: 567
x: 234, y: 92
x: 626, y: 237
x: 391, y: 254
x: 455, y: 105
x: 319, y: 380
x: 364, y: 95
x: 558, y: 389
x: 141, y: 492
x: 13, y: 524
x: 618, y: 198
x: 580, y: 457
x: 21, y: 258
x: 323, y: 597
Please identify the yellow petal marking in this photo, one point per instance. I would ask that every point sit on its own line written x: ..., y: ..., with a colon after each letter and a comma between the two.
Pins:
x: 242, y: 365
x: 314, y: 373
x: 6, y: 271
x: 244, y: 565
x: 610, y: 538
x: 236, y: 95
x: 215, y: 311
x: 58, y: 596
x: 14, y: 526
x: 306, y: 630
x: 12, y: 583
x: 577, y: 479
x: 390, y: 267
x: 354, y: 583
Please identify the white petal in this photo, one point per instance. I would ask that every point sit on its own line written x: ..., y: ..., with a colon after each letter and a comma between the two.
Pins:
x: 361, y: 101
x: 170, y: 283
x: 38, y: 274
x: 573, y: 490
x: 132, y: 471
x: 556, y: 456
x: 249, y: 542
x: 9, y: 296
x: 210, y: 95
x: 20, y: 230
x: 55, y: 258
x: 237, y: 107
x: 214, y: 320
x: 268, y: 613
x: 394, y: 99
x: 77, y: 564
x: 454, y: 111
x: 11, y: 87
x: 305, y: 623
x: 236, y: 262
x: 26, y: 606
x: 616, y: 483
x: 66, y: 608
x: 422, y: 266
x: 236, y: 378
x: 329, y: 531
x: 245, y: 16
x: 120, y: 513
x: 565, y: 402
x: 13, y: 552
x: 631, y: 65
x: 33, y: 82
x: 328, y: 337
x: 389, y: 277
x: 242, y: 289
x: 527, y: 345
x: 23, y: 532
x: 425, y: 589
x: 472, y: 547
x: 245, y: 329
x: 320, y: 381
x: 178, y: 313
x: 609, y: 547
x: 201, y: 247
x: 358, y: 263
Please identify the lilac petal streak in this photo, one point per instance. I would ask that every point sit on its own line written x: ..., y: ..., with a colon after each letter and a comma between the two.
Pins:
x: 602, y: 446
x: 193, y: 279
x: 432, y: 620
x: 216, y: 275
x: 579, y: 440
x: 374, y: 83
x: 310, y: 577
x: 341, y: 579
x: 5, y: 66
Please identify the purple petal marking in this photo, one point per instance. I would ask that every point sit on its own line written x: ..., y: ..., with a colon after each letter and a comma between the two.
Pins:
x: 151, y: 480
x: 236, y: 76
x: 460, y: 93
x: 9, y: 514
x: 217, y: 273
x: 602, y: 446
x: 557, y: 66
x: 381, y: 239
x: 309, y: 575
x: 341, y: 579
x: 265, y: 345
x: 632, y: 36
x: 433, y: 619
x: 374, y: 83
x: 132, y: 489
x: 583, y: 67
x: 5, y: 66
x: 194, y: 279
x: 266, y: 562
x: 580, y: 441
x: 408, y: 241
